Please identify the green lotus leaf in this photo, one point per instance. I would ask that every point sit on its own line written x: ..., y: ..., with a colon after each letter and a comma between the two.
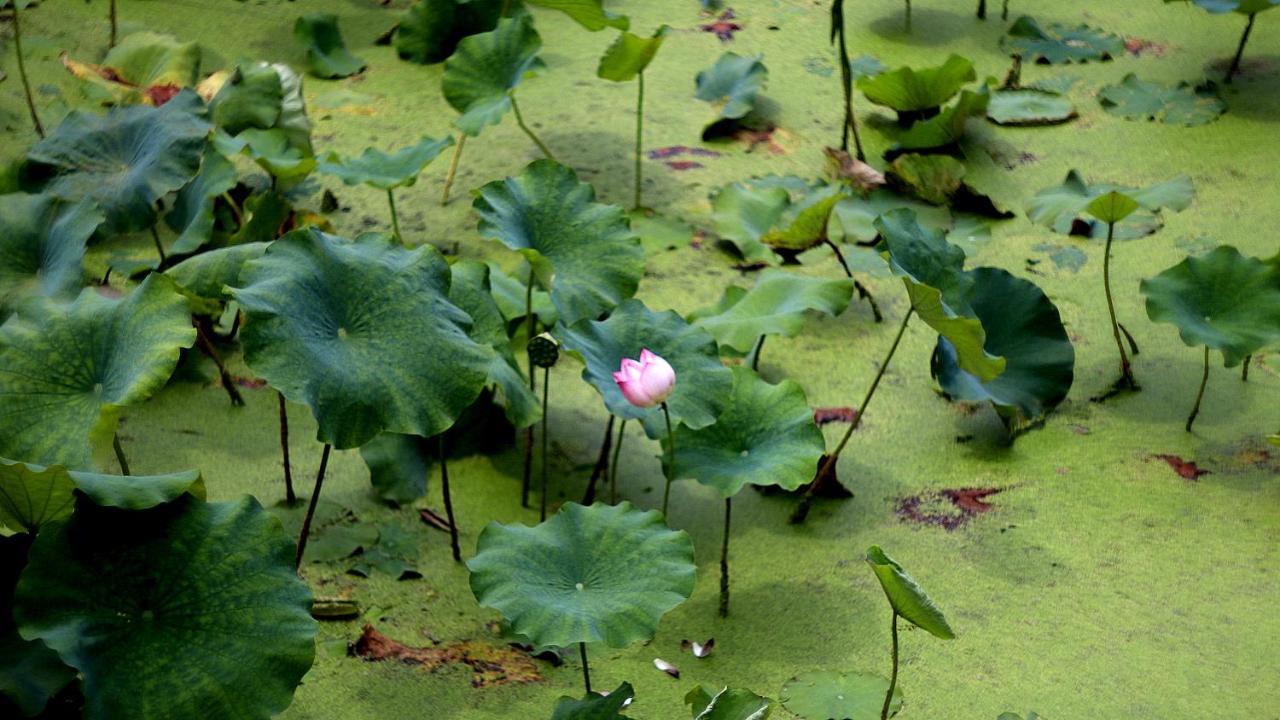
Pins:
x: 164, y: 610
x: 933, y: 271
x: 804, y: 224
x: 137, y: 492
x: 327, y: 54
x: 126, y: 161
x: 382, y: 171
x: 909, y: 601
x: 395, y: 554
x: 1058, y: 44
x: 1221, y: 300
x: 271, y: 150
x: 1064, y: 208
x: 66, y: 370
x: 398, y: 467
x: 659, y: 233
x: 778, y: 304
x: 251, y: 97
x: 485, y: 68
x: 1112, y: 207
x: 604, y: 573
x: 630, y: 54
x: 595, y: 707
x: 32, y: 495
x: 911, y: 91
x: 765, y: 436
x: 733, y: 83
x: 42, y: 242
x: 549, y: 216
x: 854, y: 218
x: 30, y: 673
x: 472, y: 292
x: 265, y: 216
x: 1244, y: 7
x: 208, y: 274
x: 947, y: 127
x: 144, y: 67
x: 703, y: 383
x: 192, y: 213
x: 363, y: 333
x: 1027, y: 107
x: 266, y: 119
x: 1030, y: 715
x: 932, y: 178
x: 728, y: 704
x: 1181, y: 104
x: 431, y: 29
x: 853, y: 696
x: 590, y: 14
x: 509, y: 294
x: 1022, y: 326
x: 339, y: 542
x: 743, y: 214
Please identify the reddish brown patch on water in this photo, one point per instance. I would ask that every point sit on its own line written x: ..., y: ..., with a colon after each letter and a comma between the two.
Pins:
x: 947, y: 509
x: 825, y: 416
x: 671, y: 151
x: 492, y: 665
x: 723, y: 26
x: 684, y: 164
x: 1186, y: 469
x: 1141, y: 46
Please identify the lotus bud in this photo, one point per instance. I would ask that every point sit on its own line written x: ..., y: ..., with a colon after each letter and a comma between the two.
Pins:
x: 647, y: 382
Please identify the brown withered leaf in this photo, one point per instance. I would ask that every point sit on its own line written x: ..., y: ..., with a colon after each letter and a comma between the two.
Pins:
x: 491, y: 664
x: 860, y: 175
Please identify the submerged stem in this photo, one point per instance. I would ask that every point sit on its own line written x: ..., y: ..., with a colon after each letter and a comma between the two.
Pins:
x: 120, y: 458
x: 453, y: 167
x: 448, y: 500
x: 613, y: 466
x: 1244, y: 40
x: 22, y: 72
x: 289, y: 496
x: 639, y: 135
x: 586, y: 670
x: 395, y: 220
x: 1204, y: 380
x: 1125, y: 369
x: 893, y: 679
x: 671, y: 458
x: 724, y: 561
x: 546, y: 386
x: 527, y: 131
x: 311, y: 506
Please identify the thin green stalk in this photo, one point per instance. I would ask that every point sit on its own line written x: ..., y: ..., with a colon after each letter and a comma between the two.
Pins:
x: 908, y: 15
x: 863, y: 292
x: 724, y: 561
x: 639, y: 135
x: 289, y: 497
x: 311, y: 506
x: 115, y: 27
x: 671, y: 458
x: 546, y: 386
x: 1004, y: 12
x: 395, y: 219
x: 613, y: 466
x: 1125, y: 369
x: 527, y: 131
x: 453, y: 167
x: 1244, y: 368
x: 22, y: 72
x: 1244, y: 40
x: 846, y: 80
x: 120, y: 458
x: 893, y: 679
x: 586, y: 670
x: 754, y: 357
x: 155, y: 237
x: 448, y: 499
x: 1204, y: 380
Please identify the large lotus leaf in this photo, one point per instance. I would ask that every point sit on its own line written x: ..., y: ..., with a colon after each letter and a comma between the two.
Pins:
x: 266, y: 118
x: 703, y: 383
x: 250, y: 97
x: 208, y: 274
x: 910, y: 90
x: 144, y: 67
x: 804, y: 225
x: 189, y: 609
x: 824, y: 695
x: 485, y: 68
x: 854, y: 218
x: 137, y: 492
x: 431, y: 29
x: 1024, y: 107
x: 1057, y: 44
x: 327, y: 54
x: 509, y: 293
x: 778, y: 304
x: 1244, y: 7
x: 1023, y: 326
x: 732, y: 83
x: 42, y: 241
x: 1222, y: 300
x: 1181, y: 104
x: 398, y: 467
x: 363, y: 333
x: 67, y: 369
x: 271, y: 149
x: 744, y: 213
x: 30, y: 673
x: 33, y: 495
x: 1064, y: 208
x: 192, y: 213
x: 947, y: 127
x: 595, y: 707
x: 552, y: 218
x: 728, y: 704
x: 590, y: 14
x: 629, y: 55
x: 126, y: 161
x: 604, y: 573
x: 386, y: 171
x: 765, y: 436
x: 933, y: 271
x: 472, y: 292
x: 906, y: 597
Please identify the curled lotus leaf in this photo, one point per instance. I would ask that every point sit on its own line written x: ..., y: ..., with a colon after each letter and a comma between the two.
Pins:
x: 144, y: 67
x: 386, y: 171
x: 327, y: 53
x: 42, y: 243
x: 907, y: 90
x: 590, y: 14
x: 630, y: 54
x: 778, y: 304
x: 908, y: 599
x: 1065, y: 208
x: 596, y: 707
x: 732, y: 83
x: 431, y: 29
x: 485, y: 68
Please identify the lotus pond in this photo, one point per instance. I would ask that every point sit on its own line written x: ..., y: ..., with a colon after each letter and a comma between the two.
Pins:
x: 484, y: 359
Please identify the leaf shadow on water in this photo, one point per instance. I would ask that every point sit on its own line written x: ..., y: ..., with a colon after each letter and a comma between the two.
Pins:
x: 930, y: 27
x: 606, y: 160
x: 1255, y: 92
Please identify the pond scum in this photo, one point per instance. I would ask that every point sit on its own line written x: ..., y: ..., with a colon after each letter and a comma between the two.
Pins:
x: 186, y: 294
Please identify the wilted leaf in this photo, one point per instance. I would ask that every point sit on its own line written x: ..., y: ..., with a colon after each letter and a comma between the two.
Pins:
x: 144, y: 67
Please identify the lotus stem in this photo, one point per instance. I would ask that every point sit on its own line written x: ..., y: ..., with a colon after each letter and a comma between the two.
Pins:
x: 893, y: 678
x: 1125, y: 369
x: 289, y: 497
x: 448, y: 500
x: 1004, y: 11
x: 311, y: 506
x: 155, y: 237
x: 908, y: 15
x: 114, y: 25
x: 802, y: 510
x: 22, y: 73
x: 533, y: 386
x: 1244, y: 40
x: 453, y: 167
x: 613, y: 466
x: 515, y: 108
x: 601, y: 468
x: 395, y: 219
x: 754, y: 357
x: 1204, y: 380
x: 724, y: 561
x: 586, y: 670
x: 235, y: 209
x: 982, y: 9
x: 542, y: 461
x: 1244, y: 368
x: 206, y: 347
x: 120, y: 458
x: 639, y: 135
x: 863, y: 292
x: 850, y: 125
x: 671, y: 459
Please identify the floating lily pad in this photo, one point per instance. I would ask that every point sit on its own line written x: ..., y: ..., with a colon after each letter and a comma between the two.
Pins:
x: 1063, y: 208
x: 604, y: 573
x: 909, y: 601
x: 765, y: 436
x: 66, y: 370
x: 703, y: 383
x: 583, y: 250
x: 659, y: 233
x: 42, y: 242
x: 386, y: 171
x: 327, y: 54
x: 1056, y: 44
x: 1024, y: 327
x: 163, y: 610
x: 778, y: 304
x: 1181, y: 104
x: 1024, y: 107
x: 144, y: 67
x: 595, y: 707
x: 824, y: 695
x: 629, y: 55
x: 912, y: 92
x: 732, y: 84
x: 430, y: 31
x: 728, y: 704
x: 363, y: 333
x: 485, y: 68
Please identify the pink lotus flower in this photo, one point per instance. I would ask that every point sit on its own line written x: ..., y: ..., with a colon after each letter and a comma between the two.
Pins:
x: 648, y: 382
